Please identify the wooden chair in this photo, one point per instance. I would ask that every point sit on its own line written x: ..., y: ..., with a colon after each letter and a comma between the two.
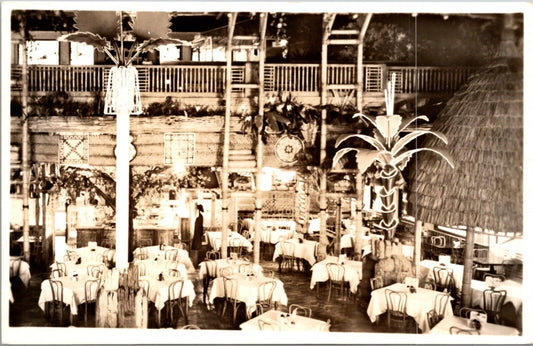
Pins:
x: 396, y: 308
x: 212, y: 255
x: 440, y: 304
x: 433, y: 318
x: 376, y: 283
x: 57, y: 304
x: 56, y: 274
x: 458, y: 331
x: 287, y: 256
x: 336, y: 278
x: 15, y: 267
x: 174, y: 273
x: 236, y: 246
x: 494, y: 276
x: 210, y: 273
x: 142, y: 254
x: 230, y: 294
x: 442, y: 277
x: 144, y: 285
x: 430, y: 285
x: 265, y: 291
x: 171, y: 254
x: 300, y: 310
x: 175, y: 298
x: 254, y: 310
x: 95, y: 271
x: 465, y: 312
x: 268, y: 273
x: 171, y: 265
x: 141, y: 269
x: 71, y: 256
x: 326, y: 327
x: 492, y: 303
x: 264, y: 325
x: 62, y: 267
x: 246, y: 268
x: 92, y: 286
x: 190, y: 326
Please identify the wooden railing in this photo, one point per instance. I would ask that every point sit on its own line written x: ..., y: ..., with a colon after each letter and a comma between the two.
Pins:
x: 203, y: 79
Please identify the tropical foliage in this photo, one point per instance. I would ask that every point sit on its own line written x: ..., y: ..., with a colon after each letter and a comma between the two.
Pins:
x: 390, y: 154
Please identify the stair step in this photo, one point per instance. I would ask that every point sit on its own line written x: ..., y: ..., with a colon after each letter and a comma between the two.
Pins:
x: 241, y: 158
x: 240, y: 152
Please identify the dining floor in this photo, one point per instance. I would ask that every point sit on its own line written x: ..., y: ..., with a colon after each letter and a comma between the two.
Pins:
x: 345, y: 316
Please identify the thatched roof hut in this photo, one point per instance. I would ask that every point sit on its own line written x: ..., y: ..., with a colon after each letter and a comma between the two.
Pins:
x: 484, y: 126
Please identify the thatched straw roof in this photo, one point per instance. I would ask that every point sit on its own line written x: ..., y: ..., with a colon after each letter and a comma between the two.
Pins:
x: 484, y: 126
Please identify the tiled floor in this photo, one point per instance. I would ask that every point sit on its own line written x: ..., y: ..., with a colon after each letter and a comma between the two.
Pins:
x: 345, y: 316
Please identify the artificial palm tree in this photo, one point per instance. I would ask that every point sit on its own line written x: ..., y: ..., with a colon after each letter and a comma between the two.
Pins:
x: 391, y: 154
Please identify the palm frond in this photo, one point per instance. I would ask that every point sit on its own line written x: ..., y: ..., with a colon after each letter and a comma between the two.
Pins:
x: 402, y: 143
x: 408, y: 120
x: 401, y: 160
x: 372, y: 141
x: 95, y: 40
x: 339, y: 154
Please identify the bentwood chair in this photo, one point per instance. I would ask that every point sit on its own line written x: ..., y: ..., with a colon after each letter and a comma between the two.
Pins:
x: 433, y: 318
x: 459, y: 330
x: 236, y: 246
x: 145, y: 286
x: 171, y: 254
x: 141, y: 269
x: 56, y: 274
x: 92, y: 286
x: 492, y: 303
x: 440, y: 304
x: 254, y: 310
x: 246, y: 268
x: 212, y: 255
x: 226, y: 271
x: 442, y: 276
x: 210, y: 274
x: 336, y: 278
x: 175, y: 298
x: 376, y: 283
x: 230, y: 297
x: 496, y: 277
x: 287, y: 255
x: 95, y: 271
x: 465, y: 312
x: 429, y: 285
x: 62, y: 267
x: 57, y: 304
x: 174, y: 273
x: 300, y: 310
x: 396, y: 308
x: 264, y: 325
x: 265, y: 291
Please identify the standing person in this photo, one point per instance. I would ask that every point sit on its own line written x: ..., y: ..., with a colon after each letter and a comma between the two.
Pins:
x: 198, y: 234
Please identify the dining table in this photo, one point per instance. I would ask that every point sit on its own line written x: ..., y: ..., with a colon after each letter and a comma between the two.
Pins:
x: 298, y: 323
x: 154, y: 267
x: 92, y: 254
x: 303, y: 249
x: 443, y: 327
x: 19, y: 268
x: 158, y: 251
x: 228, y: 262
x: 80, y: 269
x: 513, y: 288
x: 247, y: 289
x: 73, y: 293
x: 234, y: 239
x: 353, y: 272
x: 417, y: 305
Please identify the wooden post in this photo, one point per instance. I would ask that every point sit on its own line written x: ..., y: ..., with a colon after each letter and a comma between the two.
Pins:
x: 225, y: 157
x: 44, y: 243
x: 359, y: 191
x: 25, y: 153
x: 122, y: 188
x: 417, y: 254
x: 466, y: 296
x: 360, y: 70
x: 259, y: 147
x: 338, y: 227
x: 213, y: 209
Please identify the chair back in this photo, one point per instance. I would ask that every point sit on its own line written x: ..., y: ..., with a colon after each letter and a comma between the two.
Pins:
x: 212, y: 255
x: 492, y: 303
x: 91, y: 290
x: 95, y: 271
x: 141, y: 269
x: 494, y: 277
x: 62, y: 268
x: 14, y: 267
x: 145, y: 286
x: 433, y: 318
x: 335, y: 272
x: 440, y: 304
x: 265, y: 291
x: 171, y: 254
x: 442, y: 277
x: 246, y: 268
x: 230, y: 288
x: 300, y: 310
x: 430, y: 285
x: 211, y: 268
x: 236, y: 245
x: 256, y: 308
x: 226, y: 271
x: 264, y: 325
x: 438, y: 241
x: 459, y: 330
x: 171, y: 265
x: 376, y: 283
x: 396, y: 302
x: 56, y: 274
x: 175, y: 290
x: 287, y: 249
x: 57, y: 290
x: 190, y: 326
x: 268, y: 273
x: 71, y: 256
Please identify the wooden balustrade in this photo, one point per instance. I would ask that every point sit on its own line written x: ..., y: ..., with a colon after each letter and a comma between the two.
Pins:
x: 203, y: 79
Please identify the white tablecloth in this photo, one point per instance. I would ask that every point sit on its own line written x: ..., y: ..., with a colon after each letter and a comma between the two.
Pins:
x: 272, y: 236
x: 73, y: 293
x: 304, y: 250
x: 352, y: 272
x: 154, y: 268
x: 81, y: 269
x: 301, y: 323
x: 158, y: 291
x: 268, y: 224
x: 513, y: 288
x: 417, y: 306
x: 234, y: 238
x: 88, y: 255
x: 156, y: 252
x: 443, y: 327
x: 247, y: 290
x: 426, y: 271
x: 23, y: 270
x: 223, y: 263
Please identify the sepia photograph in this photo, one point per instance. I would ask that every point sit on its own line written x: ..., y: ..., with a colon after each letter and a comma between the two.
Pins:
x: 270, y: 172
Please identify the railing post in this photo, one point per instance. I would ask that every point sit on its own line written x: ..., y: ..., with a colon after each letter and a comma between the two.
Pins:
x: 384, y: 75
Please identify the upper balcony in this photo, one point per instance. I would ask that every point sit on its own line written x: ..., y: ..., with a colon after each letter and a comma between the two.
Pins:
x: 204, y: 84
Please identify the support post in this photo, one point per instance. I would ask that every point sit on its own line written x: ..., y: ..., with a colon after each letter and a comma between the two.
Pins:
x: 44, y: 244
x: 122, y: 189
x: 338, y: 227
x: 360, y: 69
x: 25, y: 154
x: 466, y: 296
x: 359, y: 191
x: 417, y: 253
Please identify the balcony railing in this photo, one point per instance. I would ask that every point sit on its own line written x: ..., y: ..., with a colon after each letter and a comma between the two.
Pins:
x: 205, y: 79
